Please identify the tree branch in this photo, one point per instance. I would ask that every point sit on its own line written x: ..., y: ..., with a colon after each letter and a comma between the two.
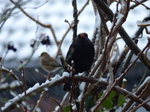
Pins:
x: 57, y: 80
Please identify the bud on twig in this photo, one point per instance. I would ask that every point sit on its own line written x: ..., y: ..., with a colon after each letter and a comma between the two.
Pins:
x: 46, y: 40
x: 10, y: 46
x: 32, y: 42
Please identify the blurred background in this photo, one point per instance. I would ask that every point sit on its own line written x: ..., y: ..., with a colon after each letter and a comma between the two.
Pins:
x: 21, y: 30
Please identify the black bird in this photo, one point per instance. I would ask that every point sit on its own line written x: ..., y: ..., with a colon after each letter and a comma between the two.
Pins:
x: 81, y: 52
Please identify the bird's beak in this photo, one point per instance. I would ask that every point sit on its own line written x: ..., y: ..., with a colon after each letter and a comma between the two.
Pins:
x: 82, y: 35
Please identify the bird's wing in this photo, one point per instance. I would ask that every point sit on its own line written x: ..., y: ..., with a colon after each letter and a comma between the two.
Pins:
x: 52, y: 63
x: 55, y: 64
x: 69, y: 55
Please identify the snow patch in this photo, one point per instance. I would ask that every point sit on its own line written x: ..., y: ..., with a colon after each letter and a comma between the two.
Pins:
x: 65, y: 74
x: 15, y: 83
x: 4, y: 85
x: 57, y: 77
x: 140, y: 23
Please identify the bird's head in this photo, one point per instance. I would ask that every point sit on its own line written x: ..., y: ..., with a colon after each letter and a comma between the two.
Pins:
x: 44, y: 55
x: 83, y: 35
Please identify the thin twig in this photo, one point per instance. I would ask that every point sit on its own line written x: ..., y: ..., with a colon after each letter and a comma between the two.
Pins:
x: 75, y: 16
x: 24, y: 80
x: 135, y: 108
x: 39, y: 101
x: 69, y: 28
x: 63, y: 101
x: 84, y: 95
x: 57, y: 103
x: 137, y: 3
x: 24, y: 83
x: 18, y: 6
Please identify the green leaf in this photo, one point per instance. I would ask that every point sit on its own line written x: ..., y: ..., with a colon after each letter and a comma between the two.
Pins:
x: 89, y: 102
x: 67, y: 108
x: 121, y: 100
x: 108, y: 104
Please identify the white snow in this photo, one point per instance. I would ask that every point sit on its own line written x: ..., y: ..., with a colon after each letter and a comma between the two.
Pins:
x: 140, y: 23
x: 103, y: 79
x: 36, y: 70
x: 82, y: 85
x: 11, y: 101
x: 13, y: 93
x: 37, y: 85
x: 65, y: 74
x: 80, y: 97
x: 31, y: 89
x: 115, y: 53
x: 124, y: 80
x: 15, y: 83
x: 4, y: 85
x: 45, y: 89
x: 57, y: 77
x: 119, y: 18
x: 6, y: 69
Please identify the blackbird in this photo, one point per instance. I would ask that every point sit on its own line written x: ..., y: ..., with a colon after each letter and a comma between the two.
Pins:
x: 81, y: 53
